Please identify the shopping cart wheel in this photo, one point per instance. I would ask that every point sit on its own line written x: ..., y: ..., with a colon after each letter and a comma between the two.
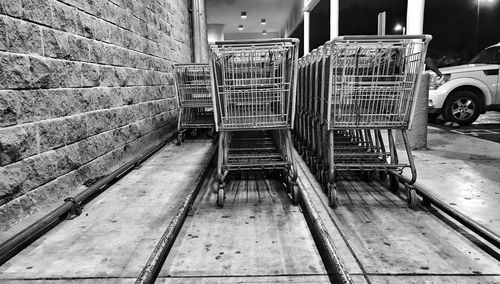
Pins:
x: 412, y: 196
x: 383, y: 175
x: 319, y: 175
x: 314, y: 165
x: 367, y: 175
x: 178, y: 139
x: 332, y: 195
x: 193, y: 132
x: 325, y: 181
x: 221, y: 196
x: 307, y: 158
x: 393, y: 183
x: 295, y: 193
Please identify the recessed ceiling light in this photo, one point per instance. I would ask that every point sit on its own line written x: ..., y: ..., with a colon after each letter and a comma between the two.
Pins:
x: 264, y: 32
x: 243, y: 15
x: 240, y: 27
x: 263, y: 21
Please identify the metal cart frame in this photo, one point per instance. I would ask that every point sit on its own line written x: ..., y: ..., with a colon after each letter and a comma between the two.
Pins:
x: 194, y: 99
x: 362, y: 86
x: 254, y: 89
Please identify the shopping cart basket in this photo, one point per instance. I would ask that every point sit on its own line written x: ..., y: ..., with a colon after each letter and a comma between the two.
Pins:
x: 254, y: 83
x: 372, y: 84
x: 194, y: 99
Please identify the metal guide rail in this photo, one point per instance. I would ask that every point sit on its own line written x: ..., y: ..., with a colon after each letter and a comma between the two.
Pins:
x: 352, y: 90
x: 194, y: 98
x: 254, y: 86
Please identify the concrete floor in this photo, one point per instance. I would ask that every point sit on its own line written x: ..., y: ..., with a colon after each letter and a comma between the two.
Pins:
x: 381, y: 240
x: 464, y: 172
x: 257, y: 237
x: 113, y: 238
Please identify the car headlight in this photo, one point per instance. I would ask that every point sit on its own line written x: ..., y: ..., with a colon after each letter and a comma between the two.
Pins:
x: 437, y: 81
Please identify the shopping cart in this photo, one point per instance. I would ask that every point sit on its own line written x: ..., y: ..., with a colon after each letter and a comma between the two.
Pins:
x: 194, y: 99
x: 353, y: 91
x: 254, y: 84
x: 373, y: 82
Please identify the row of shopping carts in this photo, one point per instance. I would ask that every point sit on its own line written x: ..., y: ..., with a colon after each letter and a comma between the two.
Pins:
x: 355, y: 93
x: 352, y: 92
x: 194, y: 98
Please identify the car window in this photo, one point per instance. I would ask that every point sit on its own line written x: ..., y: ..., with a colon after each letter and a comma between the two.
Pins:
x: 487, y: 56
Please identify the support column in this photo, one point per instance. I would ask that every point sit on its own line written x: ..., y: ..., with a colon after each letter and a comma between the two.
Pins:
x: 415, y: 17
x: 334, y: 19
x: 418, y: 133
x: 415, y: 26
x: 200, y: 32
x: 381, y: 23
x: 307, y: 22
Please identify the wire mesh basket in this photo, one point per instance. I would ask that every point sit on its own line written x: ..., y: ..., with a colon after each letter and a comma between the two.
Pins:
x: 374, y: 80
x: 193, y: 85
x: 254, y: 83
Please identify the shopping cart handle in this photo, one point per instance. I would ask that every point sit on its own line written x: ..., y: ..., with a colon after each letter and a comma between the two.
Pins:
x: 190, y: 64
x: 382, y: 38
x: 253, y: 42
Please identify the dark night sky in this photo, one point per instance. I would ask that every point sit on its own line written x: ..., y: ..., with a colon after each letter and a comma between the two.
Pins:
x: 451, y: 23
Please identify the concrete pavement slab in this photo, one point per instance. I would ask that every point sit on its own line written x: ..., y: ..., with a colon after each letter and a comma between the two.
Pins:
x: 117, y: 231
x: 462, y: 171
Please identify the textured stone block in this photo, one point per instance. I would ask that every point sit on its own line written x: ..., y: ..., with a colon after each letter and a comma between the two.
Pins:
x: 12, y: 7
x: 65, y: 102
x: 3, y: 34
x: 25, y: 72
x: 108, y: 78
x: 9, y: 108
x: 98, y: 52
x: 79, y: 48
x: 10, y: 183
x: 76, y: 128
x: 37, y: 11
x: 85, y: 24
x: 17, y: 143
x: 52, y: 134
x: 98, y: 122
x: 114, y: 97
x: 122, y: 76
x: 34, y: 105
x: 106, y: 98
x: 103, y: 30
x: 55, y: 44
x: 119, y: 56
x: 132, y: 41
x: 116, y: 35
x: 64, y: 17
x: 90, y: 75
x: 65, y: 74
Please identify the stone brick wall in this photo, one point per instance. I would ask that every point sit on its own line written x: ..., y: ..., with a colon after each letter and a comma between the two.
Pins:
x: 84, y: 84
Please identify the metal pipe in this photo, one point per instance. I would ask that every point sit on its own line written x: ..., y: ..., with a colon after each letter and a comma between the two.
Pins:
x: 475, y: 227
x: 155, y: 262
x: 21, y: 240
x: 333, y: 263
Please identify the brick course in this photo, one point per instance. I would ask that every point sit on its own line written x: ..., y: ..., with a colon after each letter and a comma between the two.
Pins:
x: 84, y: 85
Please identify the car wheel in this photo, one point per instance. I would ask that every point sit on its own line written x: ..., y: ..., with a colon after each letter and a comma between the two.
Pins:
x: 462, y: 107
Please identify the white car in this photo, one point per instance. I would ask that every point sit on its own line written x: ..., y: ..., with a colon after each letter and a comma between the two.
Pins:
x: 461, y: 93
